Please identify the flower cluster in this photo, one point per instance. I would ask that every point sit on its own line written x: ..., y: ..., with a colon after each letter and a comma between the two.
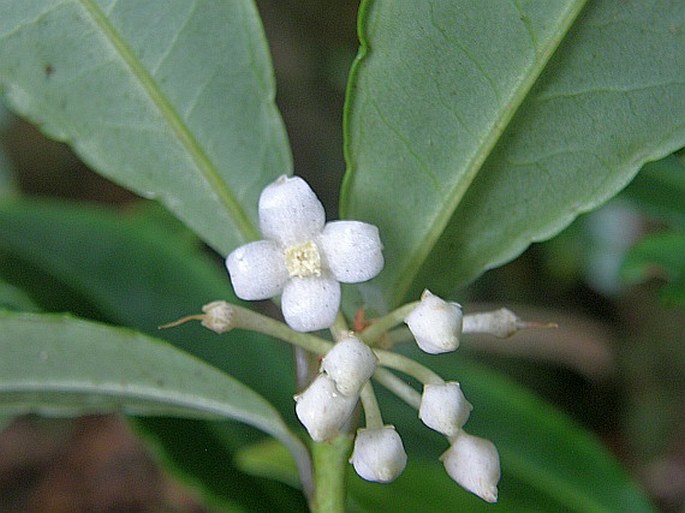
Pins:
x: 302, y: 258
x: 327, y: 404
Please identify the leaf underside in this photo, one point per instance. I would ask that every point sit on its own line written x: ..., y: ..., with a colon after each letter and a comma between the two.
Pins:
x: 174, y: 100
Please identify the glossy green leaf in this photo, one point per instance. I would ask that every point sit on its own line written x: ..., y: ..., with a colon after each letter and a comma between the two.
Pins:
x: 474, y: 128
x: 659, y: 189
x: 659, y: 256
x: 8, y: 184
x: 135, y: 270
x: 13, y: 298
x: 139, y: 268
x: 63, y: 366
x: 174, y: 100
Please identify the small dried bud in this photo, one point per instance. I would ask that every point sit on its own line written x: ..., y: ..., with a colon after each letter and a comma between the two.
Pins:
x: 378, y: 454
x: 444, y: 408
x: 473, y: 463
x: 435, y: 324
x: 218, y: 316
x: 501, y: 323
x: 349, y: 364
x: 322, y: 409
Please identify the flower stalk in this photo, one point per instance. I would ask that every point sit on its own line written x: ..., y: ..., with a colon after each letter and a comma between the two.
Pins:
x: 330, y: 468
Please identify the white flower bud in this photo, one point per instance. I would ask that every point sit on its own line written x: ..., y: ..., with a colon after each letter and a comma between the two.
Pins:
x: 444, y: 408
x: 378, y: 454
x: 349, y: 364
x: 473, y: 463
x: 322, y: 409
x: 435, y: 324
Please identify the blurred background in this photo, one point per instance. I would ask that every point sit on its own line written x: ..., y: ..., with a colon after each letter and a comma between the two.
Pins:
x: 613, y: 282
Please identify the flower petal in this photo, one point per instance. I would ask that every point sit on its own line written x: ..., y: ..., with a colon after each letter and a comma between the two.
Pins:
x: 290, y: 212
x: 257, y: 270
x: 353, y: 250
x: 311, y: 303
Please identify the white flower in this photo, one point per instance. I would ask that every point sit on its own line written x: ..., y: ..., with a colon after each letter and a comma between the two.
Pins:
x: 444, y: 408
x: 378, y: 454
x: 303, y: 258
x: 349, y: 364
x: 473, y: 463
x: 322, y: 409
x: 435, y: 324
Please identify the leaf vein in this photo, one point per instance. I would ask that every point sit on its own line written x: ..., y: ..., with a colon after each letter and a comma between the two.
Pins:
x: 405, y: 142
x: 183, y: 133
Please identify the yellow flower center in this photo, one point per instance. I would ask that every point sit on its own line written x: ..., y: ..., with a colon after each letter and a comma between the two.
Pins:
x: 303, y: 260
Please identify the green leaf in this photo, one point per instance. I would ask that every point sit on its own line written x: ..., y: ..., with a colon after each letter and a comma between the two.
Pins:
x: 174, y: 100
x: 58, y: 365
x: 141, y: 269
x: 661, y: 256
x: 659, y: 188
x: 13, y: 298
x: 8, y: 185
x: 5, y: 420
x: 474, y: 128
x: 138, y: 271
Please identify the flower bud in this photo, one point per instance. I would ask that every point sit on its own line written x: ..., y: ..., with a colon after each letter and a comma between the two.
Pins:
x: 444, y: 408
x: 349, y: 364
x: 322, y: 409
x: 435, y: 324
x: 378, y: 454
x: 501, y: 323
x: 218, y: 316
x: 473, y: 463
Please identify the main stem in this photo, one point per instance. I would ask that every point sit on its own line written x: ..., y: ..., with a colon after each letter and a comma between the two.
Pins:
x: 330, y: 467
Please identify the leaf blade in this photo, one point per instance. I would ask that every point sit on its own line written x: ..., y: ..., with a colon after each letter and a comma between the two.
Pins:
x: 470, y: 116
x: 588, y: 127
x: 60, y: 365
x: 174, y: 101
x: 557, y: 156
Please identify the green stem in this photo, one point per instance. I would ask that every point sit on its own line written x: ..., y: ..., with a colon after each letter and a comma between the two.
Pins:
x: 398, y: 387
x: 372, y: 413
x: 383, y: 324
x: 408, y: 366
x: 247, y: 319
x: 330, y: 468
x: 339, y: 328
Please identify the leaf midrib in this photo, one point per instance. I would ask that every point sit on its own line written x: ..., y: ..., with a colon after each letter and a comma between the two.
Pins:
x: 406, y: 275
x: 204, y: 164
x: 133, y: 395
x: 438, y: 225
